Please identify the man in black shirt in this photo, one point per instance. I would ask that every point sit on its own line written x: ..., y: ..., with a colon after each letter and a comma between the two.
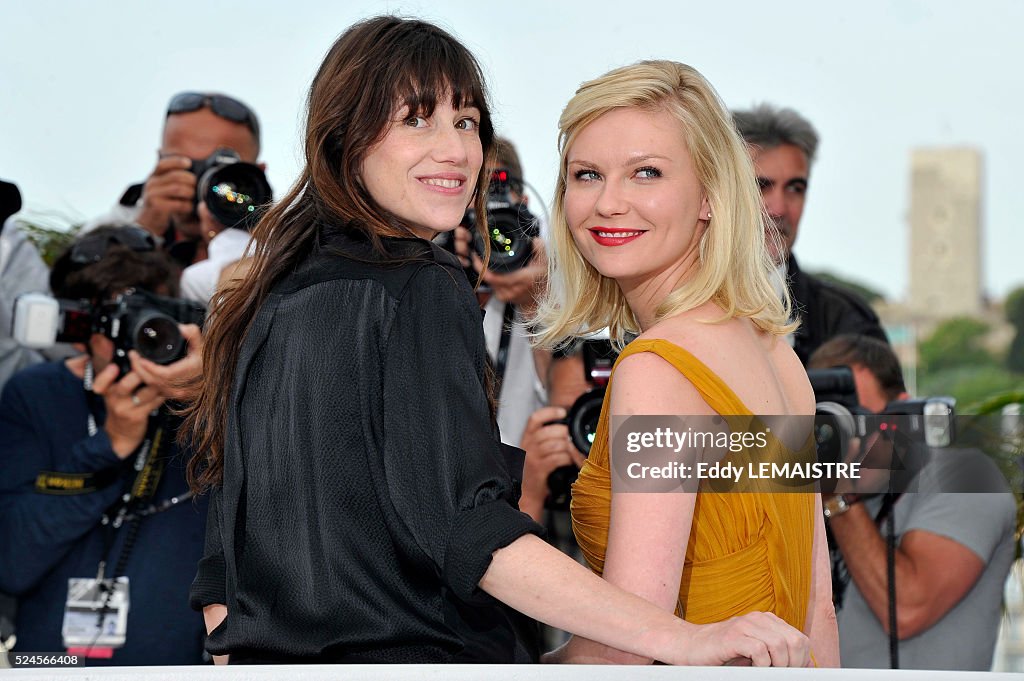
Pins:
x: 782, y: 145
x: 85, y: 492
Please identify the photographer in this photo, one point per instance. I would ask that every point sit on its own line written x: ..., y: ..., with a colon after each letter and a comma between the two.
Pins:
x: 546, y: 439
x: 198, y: 128
x: 782, y: 144
x: 952, y: 552
x: 92, y: 484
x: 507, y: 297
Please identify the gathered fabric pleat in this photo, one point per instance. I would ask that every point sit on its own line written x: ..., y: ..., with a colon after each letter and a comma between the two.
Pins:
x: 747, y: 551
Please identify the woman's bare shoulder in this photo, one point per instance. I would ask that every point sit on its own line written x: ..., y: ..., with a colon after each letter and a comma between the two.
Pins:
x: 702, y: 333
x: 761, y: 368
x: 646, y: 383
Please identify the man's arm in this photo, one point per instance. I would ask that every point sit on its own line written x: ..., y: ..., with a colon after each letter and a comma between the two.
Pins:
x: 37, y: 529
x: 924, y: 593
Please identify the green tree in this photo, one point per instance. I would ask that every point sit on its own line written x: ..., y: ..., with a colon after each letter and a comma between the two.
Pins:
x: 970, y: 385
x: 955, y: 343
x: 51, y: 234
x: 1014, y: 309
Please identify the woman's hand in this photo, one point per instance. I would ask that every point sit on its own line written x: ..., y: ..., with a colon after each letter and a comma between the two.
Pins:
x: 761, y: 639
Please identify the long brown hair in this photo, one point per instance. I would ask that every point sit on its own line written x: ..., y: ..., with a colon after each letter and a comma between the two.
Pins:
x: 374, y: 69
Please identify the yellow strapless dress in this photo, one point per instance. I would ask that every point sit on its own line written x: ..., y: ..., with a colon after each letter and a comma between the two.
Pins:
x: 746, y: 551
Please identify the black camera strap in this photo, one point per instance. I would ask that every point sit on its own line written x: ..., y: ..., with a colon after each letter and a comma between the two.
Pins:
x: 149, y: 464
x: 888, y: 517
x: 890, y: 560
x: 501, y: 360
x: 840, y: 573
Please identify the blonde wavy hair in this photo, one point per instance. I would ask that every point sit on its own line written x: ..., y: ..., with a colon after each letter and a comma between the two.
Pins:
x: 734, y: 267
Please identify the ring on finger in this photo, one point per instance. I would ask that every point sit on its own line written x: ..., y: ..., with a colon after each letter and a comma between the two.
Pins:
x: 136, y: 401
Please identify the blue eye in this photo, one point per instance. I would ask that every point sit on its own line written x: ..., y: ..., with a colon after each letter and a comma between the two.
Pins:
x: 648, y: 173
x: 586, y: 175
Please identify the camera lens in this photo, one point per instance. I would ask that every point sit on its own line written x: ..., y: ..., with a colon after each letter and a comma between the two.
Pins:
x: 582, y: 421
x: 511, y: 245
x: 157, y: 338
x: 234, y: 193
x: 583, y: 417
x: 833, y: 428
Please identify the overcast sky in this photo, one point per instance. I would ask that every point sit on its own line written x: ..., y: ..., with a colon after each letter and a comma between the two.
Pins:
x: 83, y: 88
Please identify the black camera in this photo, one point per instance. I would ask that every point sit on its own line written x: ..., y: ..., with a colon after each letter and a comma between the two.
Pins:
x: 839, y: 417
x: 233, y: 190
x: 511, y: 228
x: 598, y: 359
x: 134, y: 320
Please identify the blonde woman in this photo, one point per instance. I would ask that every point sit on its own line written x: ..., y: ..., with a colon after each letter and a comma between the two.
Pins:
x: 657, y: 231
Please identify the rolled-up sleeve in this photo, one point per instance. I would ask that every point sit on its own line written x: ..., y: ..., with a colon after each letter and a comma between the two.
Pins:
x: 208, y: 587
x: 446, y: 475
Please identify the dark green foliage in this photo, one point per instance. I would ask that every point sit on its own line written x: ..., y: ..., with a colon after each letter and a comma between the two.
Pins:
x: 970, y: 385
x: 49, y: 236
x: 1014, y: 309
x: 955, y: 343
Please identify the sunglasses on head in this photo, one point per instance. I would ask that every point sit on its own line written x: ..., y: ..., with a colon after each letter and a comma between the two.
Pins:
x: 91, y: 248
x: 228, y: 108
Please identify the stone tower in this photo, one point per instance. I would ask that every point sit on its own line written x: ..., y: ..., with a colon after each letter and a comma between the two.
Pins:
x: 945, y: 233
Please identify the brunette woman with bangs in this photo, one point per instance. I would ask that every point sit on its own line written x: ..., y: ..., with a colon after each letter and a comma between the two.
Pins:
x: 362, y: 506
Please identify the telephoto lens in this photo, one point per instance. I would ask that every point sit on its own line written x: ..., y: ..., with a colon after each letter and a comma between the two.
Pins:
x: 582, y: 422
x: 148, y: 323
x: 598, y: 358
x: 583, y: 417
x: 157, y: 338
x: 233, y: 190
x: 511, y: 229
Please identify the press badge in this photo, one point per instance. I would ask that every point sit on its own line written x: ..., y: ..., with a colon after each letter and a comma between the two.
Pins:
x: 96, y: 613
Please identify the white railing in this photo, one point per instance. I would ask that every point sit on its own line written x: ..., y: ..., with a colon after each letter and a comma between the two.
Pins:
x: 490, y: 673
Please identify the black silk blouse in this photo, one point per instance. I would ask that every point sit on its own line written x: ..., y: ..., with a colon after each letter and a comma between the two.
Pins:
x: 365, y: 487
